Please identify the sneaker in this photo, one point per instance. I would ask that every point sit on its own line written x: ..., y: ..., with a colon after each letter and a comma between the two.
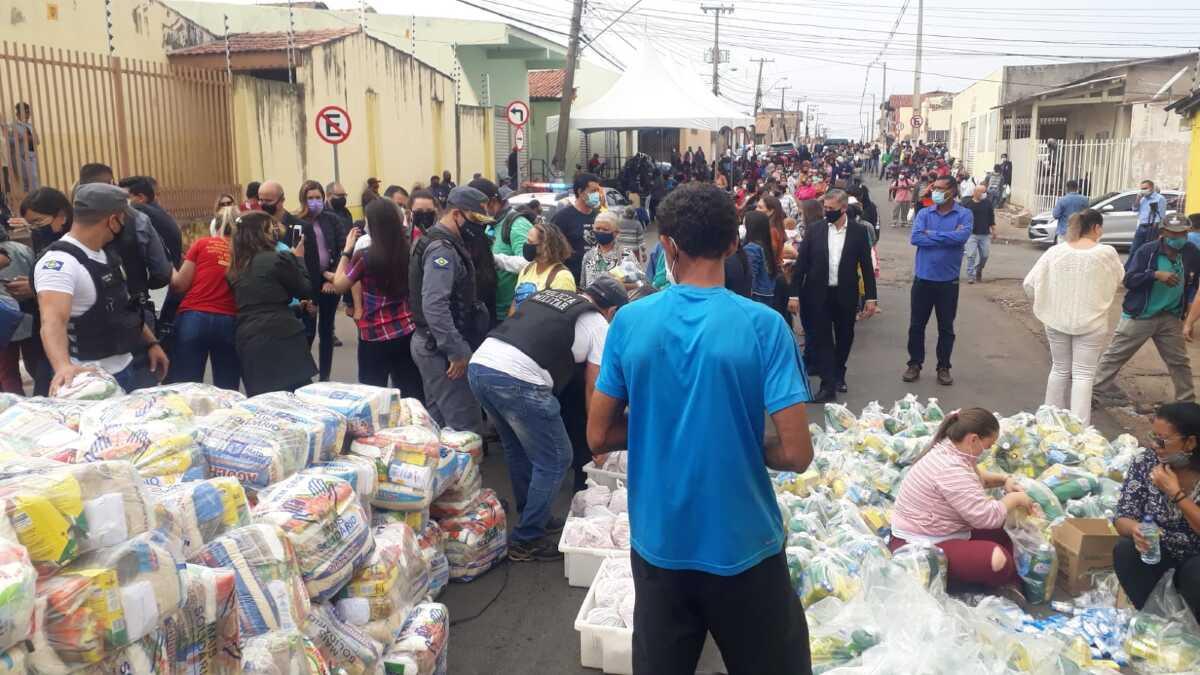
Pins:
x: 542, y: 550
x: 943, y: 377
x: 979, y: 275
x: 912, y: 374
x: 555, y: 525
x: 970, y: 278
x: 336, y: 342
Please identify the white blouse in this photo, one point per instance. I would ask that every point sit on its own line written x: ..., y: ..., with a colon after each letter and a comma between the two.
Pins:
x: 1073, y: 289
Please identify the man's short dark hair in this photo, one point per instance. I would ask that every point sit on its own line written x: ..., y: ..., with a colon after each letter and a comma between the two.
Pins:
x: 582, y: 181
x: 393, y: 189
x: 1072, y: 185
x: 138, y: 185
x: 701, y: 218
x: 487, y: 187
x: 422, y: 194
x: 252, y: 189
x: 46, y: 200
x: 95, y: 173
x: 1147, y: 180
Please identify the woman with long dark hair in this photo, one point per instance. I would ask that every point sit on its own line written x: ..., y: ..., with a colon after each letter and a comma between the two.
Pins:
x: 771, y: 206
x: 321, y: 228
x: 760, y: 250
x: 385, y: 327
x: 271, y: 344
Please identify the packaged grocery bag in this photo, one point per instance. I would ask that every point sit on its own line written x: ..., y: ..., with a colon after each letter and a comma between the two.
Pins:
x: 323, y: 519
x: 476, y: 540
x: 346, y: 647
x: 464, y: 441
x: 1069, y: 482
x: 432, y: 541
x: 326, y: 428
x: 411, y: 463
x: 60, y: 512
x: 90, y: 385
x: 193, y: 514
x: 421, y: 647
x: 1044, y: 497
x: 202, y: 636
x: 17, y: 592
x: 414, y: 519
x: 66, y: 412
x: 359, y: 471
x: 1035, y: 556
x: 258, y: 450
x: 282, y: 652
x: 140, y: 406
x: 387, y: 585
x: 413, y: 413
x: 29, y: 430
x: 203, y: 399
x: 141, y: 657
x: 367, y: 409
x: 109, y: 599
x: 270, y: 592
x: 164, y: 452
x: 462, y: 490
x: 9, y: 400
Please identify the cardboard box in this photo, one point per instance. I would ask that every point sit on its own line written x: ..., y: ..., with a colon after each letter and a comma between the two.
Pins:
x: 1084, y: 546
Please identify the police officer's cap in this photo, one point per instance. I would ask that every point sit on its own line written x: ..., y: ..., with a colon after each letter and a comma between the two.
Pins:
x: 96, y: 200
x: 470, y: 201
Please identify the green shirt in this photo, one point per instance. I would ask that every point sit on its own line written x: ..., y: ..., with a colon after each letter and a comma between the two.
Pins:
x: 506, y: 282
x: 887, y: 158
x: 1164, y: 298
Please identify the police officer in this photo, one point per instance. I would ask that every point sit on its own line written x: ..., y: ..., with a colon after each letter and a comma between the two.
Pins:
x: 89, y: 320
x: 450, y: 320
x: 517, y: 373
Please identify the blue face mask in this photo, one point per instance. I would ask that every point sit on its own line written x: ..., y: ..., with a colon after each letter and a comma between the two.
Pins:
x: 593, y: 199
x: 1176, y: 243
x: 939, y: 197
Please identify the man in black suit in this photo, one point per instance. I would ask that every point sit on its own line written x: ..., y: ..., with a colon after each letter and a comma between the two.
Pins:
x: 825, y: 280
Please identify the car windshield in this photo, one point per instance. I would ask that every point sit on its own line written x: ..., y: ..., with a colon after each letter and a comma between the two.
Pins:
x: 1097, y: 200
x: 782, y: 146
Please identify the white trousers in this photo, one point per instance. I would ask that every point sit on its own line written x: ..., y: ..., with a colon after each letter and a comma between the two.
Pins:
x: 1073, y: 370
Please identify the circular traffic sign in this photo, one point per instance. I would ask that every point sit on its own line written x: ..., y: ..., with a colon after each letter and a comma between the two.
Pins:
x: 519, y: 138
x: 517, y: 113
x: 333, y: 124
x: 917, y: 121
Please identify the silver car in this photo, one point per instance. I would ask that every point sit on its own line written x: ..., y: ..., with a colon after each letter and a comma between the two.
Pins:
x: 1120, y: 220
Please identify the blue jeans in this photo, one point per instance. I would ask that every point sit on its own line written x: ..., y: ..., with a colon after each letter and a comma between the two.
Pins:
x: 536, y: 446
x: 978, y: 247
x: 200, y: 336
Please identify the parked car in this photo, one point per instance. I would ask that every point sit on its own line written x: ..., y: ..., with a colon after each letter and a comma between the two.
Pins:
x: 1120, y: 220
x: 782, y: 150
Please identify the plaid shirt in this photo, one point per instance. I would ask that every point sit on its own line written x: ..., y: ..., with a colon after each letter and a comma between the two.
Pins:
x: 383, y: 317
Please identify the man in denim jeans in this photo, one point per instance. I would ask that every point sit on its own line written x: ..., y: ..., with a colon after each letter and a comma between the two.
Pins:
x: 516, y: 373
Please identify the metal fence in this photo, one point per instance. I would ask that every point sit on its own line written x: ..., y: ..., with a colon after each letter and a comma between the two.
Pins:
x: 139, y: 117
x: 1098, y: 166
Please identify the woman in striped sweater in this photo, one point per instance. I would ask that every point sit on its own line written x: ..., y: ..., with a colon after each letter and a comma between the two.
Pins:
x: 943, y: 502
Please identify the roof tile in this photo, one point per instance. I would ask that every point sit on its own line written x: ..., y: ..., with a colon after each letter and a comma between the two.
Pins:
x: 267, y: 42
x: 546, y: 83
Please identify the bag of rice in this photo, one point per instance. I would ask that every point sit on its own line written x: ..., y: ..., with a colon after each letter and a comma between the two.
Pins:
x: 421, y: 646
x: 202, y: 636
x: 414, y: 519
x: 412, y: 413
x: 367, y: 409
x: 476, y: 540
x: 464, y: 441
x: 432, y: 541
x: 326, y: 525
x: 203, y: 399
x: 391, y: 581
x: 270, y: 592
x: 165, y: 452
x: 258, y: 450
x: 349, y: 649
x: 193, y: 514
x: 326, y: 428
x: 360, y: 472
x: 462, y: 490
x: 28, y: 430
x: 140, y: 406
x: 410, y: 462
x: 90, y: 385
x: 282, y: 652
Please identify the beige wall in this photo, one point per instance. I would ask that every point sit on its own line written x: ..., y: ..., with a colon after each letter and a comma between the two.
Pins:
x: 475, y: 142
x: 142, y: 29
x: 1161, y: 145
x: 269, y: 133
x: 975, y: 105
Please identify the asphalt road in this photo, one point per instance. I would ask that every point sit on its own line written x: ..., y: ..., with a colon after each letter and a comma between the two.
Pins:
x: 519, y: 618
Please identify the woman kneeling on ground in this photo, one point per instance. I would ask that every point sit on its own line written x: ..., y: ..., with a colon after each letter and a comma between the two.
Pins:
x: 1164, y: 485
x: 943, y: 503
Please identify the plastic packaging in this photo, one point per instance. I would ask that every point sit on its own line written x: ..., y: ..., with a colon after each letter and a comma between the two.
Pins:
x: 1153, y: 535
x: 17, y: 591
x: 927, y: 564
x: 1036, y: 558
x: 203, y: 635
x: 358, y: 471
x: 326, y: 525
x: 411, y: 412
x: 432, y: 541
x: 838, y: 418
x: 412, y: 465
x: 258, y: 450
x: 461, y: 491
x: 325, y: 428
x: 203, y: 399
x: 476, y: 540
x: 348, y: 649
x: 31, y: 427
x: 593, y: 495
x: 282, y: 652
x: 193, y: 514
x: 367, y: 409
x: 387, y: 585
x: 140, y: 406
x: 1051, y: 508
x: 421, y: 647
x: 91, y: 385
x: 164, y: 452
x: 467, y: 442
x: 1164, y: 636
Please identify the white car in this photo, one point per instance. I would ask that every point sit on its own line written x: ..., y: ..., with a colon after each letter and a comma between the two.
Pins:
x: 1120, y: 220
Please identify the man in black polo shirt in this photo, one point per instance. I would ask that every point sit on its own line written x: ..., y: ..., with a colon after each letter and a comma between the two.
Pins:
x: 515, y: 375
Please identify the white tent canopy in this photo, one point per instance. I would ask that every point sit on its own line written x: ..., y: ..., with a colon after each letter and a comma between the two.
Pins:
x: 654, y: 93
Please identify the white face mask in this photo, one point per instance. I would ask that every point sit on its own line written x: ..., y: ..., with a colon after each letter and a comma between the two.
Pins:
x: 669, y: 264
x: 741, y: 232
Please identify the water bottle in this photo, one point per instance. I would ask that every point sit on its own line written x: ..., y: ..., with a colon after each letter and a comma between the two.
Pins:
x: 1152, y: 555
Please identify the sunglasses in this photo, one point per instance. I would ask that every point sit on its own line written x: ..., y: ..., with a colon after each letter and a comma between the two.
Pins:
x: 224, y: 204
x: 1160, y: 441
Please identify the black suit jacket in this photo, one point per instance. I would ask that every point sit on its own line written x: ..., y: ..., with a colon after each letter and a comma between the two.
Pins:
x: 335, y: 241
x: 810, y: 273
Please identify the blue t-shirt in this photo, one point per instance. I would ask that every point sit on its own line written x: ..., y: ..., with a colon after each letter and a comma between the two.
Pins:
x: 699, y: 367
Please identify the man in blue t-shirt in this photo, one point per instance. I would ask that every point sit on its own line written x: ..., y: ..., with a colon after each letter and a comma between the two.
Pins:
x: 698, y: 365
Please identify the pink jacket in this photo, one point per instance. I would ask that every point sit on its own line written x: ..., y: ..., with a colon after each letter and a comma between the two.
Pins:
x: 942, y: 494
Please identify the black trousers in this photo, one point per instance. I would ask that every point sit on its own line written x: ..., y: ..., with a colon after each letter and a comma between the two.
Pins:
x: 1139, y: 579
x: 379, y: 361
x: 754, y: 617
x: 832, y: 328
x: 928, y: 297
x: 327, y: 308
x: 572, y: 401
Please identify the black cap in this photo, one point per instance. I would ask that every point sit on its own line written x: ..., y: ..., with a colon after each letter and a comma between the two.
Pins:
x: 485, y: 186
x: 607, y: 292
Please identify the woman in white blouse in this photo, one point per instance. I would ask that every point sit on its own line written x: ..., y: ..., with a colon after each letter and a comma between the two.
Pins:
x: 1072, y: 287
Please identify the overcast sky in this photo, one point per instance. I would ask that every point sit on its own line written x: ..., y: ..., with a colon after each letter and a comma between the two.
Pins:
x: 823, y: 48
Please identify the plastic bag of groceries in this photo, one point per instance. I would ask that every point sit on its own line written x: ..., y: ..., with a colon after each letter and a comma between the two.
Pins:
x: 146, y: 655
x: 432, y: 540
x: 617, y: 462
x: 326, y: 428
x: 461, y: 490
x: 31, y: 428
x: 326, y: 524
x: 358, y: 471
x: 90, y: 385
x: 140, y: 406
x: 203, y: 399
x: 1164, y: 636
x: 838, y: 418
x: 164, y: 452
x: 107, y: 600
x: 926, y: 564
x: 17, y: 590
x: 476, y: 540
x: 282, y: 652
x: 270, y: 592
x: 258, y: 450
x: 387, y: 585
x: 412, y: 464
x: 1044, y: 497
x: 593, y: 495
x: 193, y: 514
x: 1035, y: 556
x: 588, y: 533
x: 367, y: 409
x: 412, y: 412
x: 421, y: 645
x: 1069, y: 482
x: 203, y: 635
x: 9, y: 400
x: 417, y: 520
x: 467, y: 442
x: 346, y: 647
x: 62, y: 511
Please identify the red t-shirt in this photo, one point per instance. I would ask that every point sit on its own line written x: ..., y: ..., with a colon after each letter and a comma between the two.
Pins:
x: 210, y: 290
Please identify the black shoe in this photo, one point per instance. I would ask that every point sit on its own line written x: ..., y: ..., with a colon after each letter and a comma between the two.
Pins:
x: 842, y: 388
x: 542, y: 550
x: 943, y: 377
x: 336, y: 342
x: 555, y: 525
x: 825, y: 395
x: 912, y: 374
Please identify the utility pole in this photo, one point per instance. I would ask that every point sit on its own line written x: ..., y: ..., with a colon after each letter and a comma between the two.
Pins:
x: 916, y: 99
x: 758, y: 89
x: 883, y: 111
x: 807, y: 116
x: 717, y: 11
x: 568, y: 92
x: 796, y: 131
x: 782, y: 121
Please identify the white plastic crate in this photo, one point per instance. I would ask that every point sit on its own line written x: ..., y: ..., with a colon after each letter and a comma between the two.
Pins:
x: 581, y: 564
x: 612, y: 479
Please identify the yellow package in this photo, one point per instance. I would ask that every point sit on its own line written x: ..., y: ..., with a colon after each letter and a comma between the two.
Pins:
x: 105, y: 604
x: 46, y: 510
x: 234, y: 509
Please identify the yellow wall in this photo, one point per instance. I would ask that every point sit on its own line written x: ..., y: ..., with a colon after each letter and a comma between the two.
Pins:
x: 475, y: 142
x: 1193, y: 170
x: 142, y: 29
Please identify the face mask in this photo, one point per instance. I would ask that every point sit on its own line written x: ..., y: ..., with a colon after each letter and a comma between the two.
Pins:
x: 593, y: 199
x: 605, y: 238
x: 1176, y: 243
x: 269, y: 209
x: 741, y: 232
x: 338, y: 202
x: 315, y: 206
x: 833, y: 216
x: 424, y: 219
x: 1144, y: 193
x: 1177, y: 460
x: 671, y: 266
x: 939, y: 197
x: 45, y: 235
x: 529, y: 251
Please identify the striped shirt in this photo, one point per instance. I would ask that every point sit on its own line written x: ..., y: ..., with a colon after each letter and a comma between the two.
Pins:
x: 943, y: 495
